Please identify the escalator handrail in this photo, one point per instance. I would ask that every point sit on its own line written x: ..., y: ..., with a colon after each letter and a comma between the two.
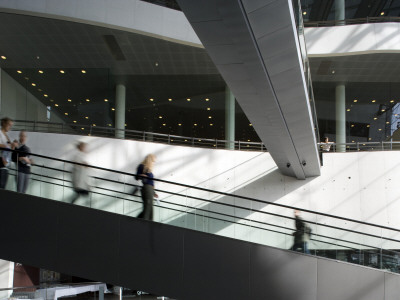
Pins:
x: 210, y: 191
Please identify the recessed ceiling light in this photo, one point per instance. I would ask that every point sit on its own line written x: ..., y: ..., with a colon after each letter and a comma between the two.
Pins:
x: 387, y: 122
x: 179, y: 124
x: 151, y: 99
x: 211, y: 124
x: 352, y: 141
x: 304, y: 12
x: 56, y: 104
x: 208, y: 108
x: 113, y: 108
x: 66, y: 114
x: 51, y: 100
x: 380, y: 129
x: 195, y: 124
x: 105, y: 100
x: 207, y: 99
x: 352, y: 125
x: 83, y: 71
x: 373, y: 101
x: 69, y: 100
x: 87, y: 100
x: 33, y: 84
x: 355, y: 100
x: 45, y: 95
x: 248, y: 140
x: 369, y: 139
x: 40, y: 71
x: 86, y: 117
x: 62, y: 71
x: 348, y: 109
x: 382, y: 13
x: 333, y: 71
x: 391, y: 101
x: 83, y: 128
x: 3, y: 57
x: 188, y: 99
x: 209, y: 117
x: 39, y: 90
x: 19, y: 72
x: 74, y: 121
x: 164, y: 124
x: 368, y: 125
x: 375, y: 118
x: 109, y: 125
x: 250, y: 124
x: 160, y: 117
x: 169, y: 99
x: 382, y: 110
x: 126, y: 124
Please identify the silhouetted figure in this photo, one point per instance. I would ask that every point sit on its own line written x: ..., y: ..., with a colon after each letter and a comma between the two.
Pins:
x: 80, y: 176
x: 5, y: 142
x: 326, y: 145
x: 24, y: 162
x: 145, y: 169
x: 301, y: 235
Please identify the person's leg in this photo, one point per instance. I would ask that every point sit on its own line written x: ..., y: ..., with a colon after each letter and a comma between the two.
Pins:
x: 3, y: 178
x: 306, y: 250
x: 20, y: 182
x: 26, y: 182
x: 141, y: 215
x: 148, y: 193
x: 75, y: 196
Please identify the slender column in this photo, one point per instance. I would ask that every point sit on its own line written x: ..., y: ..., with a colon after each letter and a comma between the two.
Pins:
x: 340, y: 8
x: 120, y: 96
x: 229, y: 119
x: 340, y: 94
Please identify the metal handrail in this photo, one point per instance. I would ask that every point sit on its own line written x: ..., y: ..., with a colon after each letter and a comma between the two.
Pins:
x: 327, y: 23
x: 211, y: 191
x: 231, y: 216
x: 80, y: 129
x: 361, y: 146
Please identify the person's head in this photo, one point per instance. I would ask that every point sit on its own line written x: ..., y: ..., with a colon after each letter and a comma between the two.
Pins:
x: 296, y: 212
x: 6, y: 124
x: 81, y: 146
x: 22, y: 137
x: 148, y: 162
x: 326, y: 140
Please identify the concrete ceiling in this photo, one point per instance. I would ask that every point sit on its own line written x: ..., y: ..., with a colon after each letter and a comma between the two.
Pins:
x: 379, y: 67
x: 151, y: 68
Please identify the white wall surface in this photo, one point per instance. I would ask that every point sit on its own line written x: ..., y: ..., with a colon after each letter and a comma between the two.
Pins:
x: 6, y: 277
x: 362, y: 186
x: 353, y: 39
x: 19, y: 104
x: 129, y: 15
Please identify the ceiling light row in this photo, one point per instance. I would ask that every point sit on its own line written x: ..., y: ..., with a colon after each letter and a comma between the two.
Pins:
x: 187, y: 99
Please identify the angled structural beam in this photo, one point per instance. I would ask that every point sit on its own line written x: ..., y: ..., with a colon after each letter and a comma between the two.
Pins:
x: 255, y: 47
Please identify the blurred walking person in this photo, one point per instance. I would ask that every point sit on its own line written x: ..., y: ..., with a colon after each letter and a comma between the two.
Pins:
x: 301, y: 235
x: 80, y: 173
x: 145, y: 169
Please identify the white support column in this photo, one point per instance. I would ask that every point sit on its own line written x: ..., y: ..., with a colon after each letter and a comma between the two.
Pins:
x: 120, y: 98
x: 229, y: 119
x: 340, y: 94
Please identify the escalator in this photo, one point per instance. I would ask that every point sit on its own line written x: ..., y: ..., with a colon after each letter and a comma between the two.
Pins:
x: 203, y: 244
